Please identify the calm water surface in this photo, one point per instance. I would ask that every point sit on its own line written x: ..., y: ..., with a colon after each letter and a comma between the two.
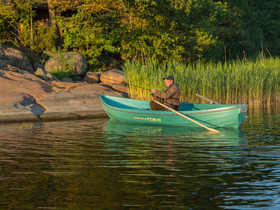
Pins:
x: 102, y: 164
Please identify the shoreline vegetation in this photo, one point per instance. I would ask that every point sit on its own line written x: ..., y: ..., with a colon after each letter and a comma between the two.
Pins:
x: 256, y: 83
x: 186, y: 38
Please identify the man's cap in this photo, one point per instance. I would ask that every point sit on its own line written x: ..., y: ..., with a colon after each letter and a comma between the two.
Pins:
x: 169, y: 78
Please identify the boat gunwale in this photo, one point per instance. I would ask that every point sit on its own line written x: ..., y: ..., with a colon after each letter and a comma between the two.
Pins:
x: 206, y: 111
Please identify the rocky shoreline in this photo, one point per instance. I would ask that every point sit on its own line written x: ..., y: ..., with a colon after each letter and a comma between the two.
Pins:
x: 25, y: 97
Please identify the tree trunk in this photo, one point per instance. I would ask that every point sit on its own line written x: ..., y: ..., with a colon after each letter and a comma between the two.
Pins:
x: 52, y: 21
x: 31, y: 26
x: 51, y: 13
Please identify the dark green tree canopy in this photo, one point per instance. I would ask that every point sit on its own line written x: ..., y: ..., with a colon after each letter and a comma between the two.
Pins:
x: 182, y: 30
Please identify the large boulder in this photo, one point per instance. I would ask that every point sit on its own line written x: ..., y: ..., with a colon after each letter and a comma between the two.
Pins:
x: 73, y: 62
x: 113, y: 76
x: 92, y: 77
x: 11, y: 58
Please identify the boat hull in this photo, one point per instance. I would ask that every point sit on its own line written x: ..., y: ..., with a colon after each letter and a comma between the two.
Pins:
x: 137, y: 111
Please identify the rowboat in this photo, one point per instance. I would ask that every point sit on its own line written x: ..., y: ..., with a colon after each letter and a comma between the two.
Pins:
x: 138, y: 111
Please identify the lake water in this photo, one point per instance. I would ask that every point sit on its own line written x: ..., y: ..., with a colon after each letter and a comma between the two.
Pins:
x: 102, y: 164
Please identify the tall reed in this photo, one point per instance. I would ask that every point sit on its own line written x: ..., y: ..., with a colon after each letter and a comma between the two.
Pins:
x: 254, y: 83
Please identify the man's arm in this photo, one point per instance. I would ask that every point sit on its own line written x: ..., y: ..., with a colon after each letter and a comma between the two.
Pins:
x: 168, y: 93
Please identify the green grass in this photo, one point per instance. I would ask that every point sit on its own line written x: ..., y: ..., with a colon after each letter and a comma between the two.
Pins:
x: 60, y: 74
x: 251, y: 82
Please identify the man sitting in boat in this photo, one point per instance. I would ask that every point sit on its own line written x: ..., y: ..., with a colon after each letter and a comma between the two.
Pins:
x: 169, y: 97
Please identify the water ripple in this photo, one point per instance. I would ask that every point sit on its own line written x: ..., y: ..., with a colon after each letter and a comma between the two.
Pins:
x: 110, y: 165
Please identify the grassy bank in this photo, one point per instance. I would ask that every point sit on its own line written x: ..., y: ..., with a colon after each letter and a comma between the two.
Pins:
x: 251, y: 82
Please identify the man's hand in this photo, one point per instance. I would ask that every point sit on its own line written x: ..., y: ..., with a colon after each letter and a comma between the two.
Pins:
x: 153, y: 96
x: 153, y: 90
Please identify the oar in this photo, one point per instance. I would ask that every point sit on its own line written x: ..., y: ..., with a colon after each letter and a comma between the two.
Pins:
x: 211, y: 101
x: 184, y: 116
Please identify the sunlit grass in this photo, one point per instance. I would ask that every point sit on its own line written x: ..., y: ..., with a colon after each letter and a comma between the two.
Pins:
x: 251, y: 82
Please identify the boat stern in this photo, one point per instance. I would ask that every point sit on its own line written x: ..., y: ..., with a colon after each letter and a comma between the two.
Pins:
x: 242, y: 112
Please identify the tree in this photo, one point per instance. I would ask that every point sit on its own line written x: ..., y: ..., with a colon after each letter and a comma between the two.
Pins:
x: 185, y: 30
x: 51, y: 13
x: 163, y: 29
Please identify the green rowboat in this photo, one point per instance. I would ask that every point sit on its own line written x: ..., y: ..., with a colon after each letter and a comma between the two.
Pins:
x: 138, y: 111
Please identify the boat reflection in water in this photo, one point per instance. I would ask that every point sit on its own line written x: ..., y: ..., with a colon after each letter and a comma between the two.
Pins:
x: 172, y: 166
x: 186, y: 136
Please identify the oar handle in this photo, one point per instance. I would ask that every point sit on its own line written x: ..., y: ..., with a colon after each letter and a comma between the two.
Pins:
x: 211, y: 101
x: 190, y: 119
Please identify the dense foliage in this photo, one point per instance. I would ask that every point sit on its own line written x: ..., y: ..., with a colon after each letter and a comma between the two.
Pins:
x: 182, y: 30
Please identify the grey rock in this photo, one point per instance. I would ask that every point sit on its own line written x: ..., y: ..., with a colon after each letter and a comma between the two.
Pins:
x: 38, y: 65
x: 47, y: 76
x: 73, y: 62
x: 92, y: 77
x: 12, y: 58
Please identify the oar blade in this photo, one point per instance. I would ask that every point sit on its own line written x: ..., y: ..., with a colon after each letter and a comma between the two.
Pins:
x: 213, y: 130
